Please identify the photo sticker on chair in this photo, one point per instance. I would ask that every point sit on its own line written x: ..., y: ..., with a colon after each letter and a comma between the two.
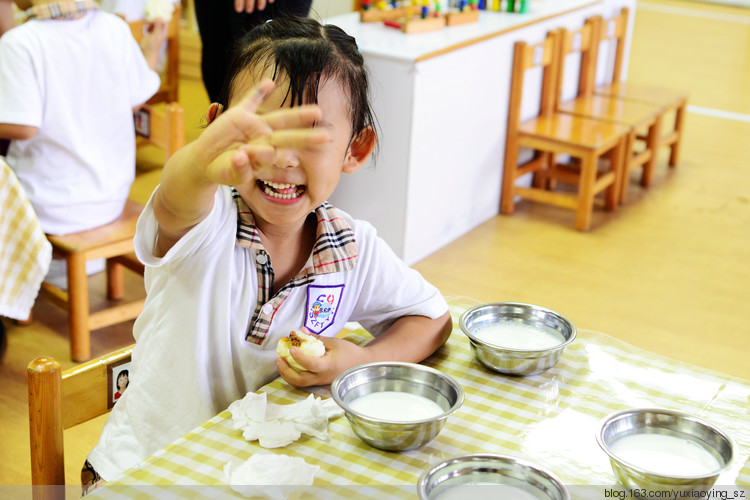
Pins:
x: 118, y: 378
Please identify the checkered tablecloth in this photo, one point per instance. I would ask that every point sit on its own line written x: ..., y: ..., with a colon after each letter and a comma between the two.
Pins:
x: 25, y: 253
x: 549, y: 419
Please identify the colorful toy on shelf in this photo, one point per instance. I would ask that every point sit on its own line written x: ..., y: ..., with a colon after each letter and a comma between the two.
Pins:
x: 406, y: 17
x: 415, y: 16
x: 467, y: 12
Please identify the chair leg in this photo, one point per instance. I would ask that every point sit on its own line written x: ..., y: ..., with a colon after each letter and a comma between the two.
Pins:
x: 612, y: 194
x: 652, y: 143
x: 586, y: 191
x: 78, y: 308
x: 115, y: 280
x: 507, y: 194
x: 674, y: 155
x: 627, y: 156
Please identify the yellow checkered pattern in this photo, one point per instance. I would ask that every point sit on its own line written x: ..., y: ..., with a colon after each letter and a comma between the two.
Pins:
x: 549, y: 419
x: 25, y: 253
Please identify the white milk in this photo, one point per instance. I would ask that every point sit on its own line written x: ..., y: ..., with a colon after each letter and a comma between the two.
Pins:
x: 665, y: 455
x: 396, y: 406
x: 486, y: 491
x: 515, y: 335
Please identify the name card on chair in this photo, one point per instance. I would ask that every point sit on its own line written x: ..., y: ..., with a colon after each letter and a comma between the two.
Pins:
x: 142, y: 120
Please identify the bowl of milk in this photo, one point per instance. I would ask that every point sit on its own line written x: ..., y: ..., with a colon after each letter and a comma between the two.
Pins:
x: 396, y: 406
x: 658, y: 447
x: 514, y: 338
x: 489, y: 476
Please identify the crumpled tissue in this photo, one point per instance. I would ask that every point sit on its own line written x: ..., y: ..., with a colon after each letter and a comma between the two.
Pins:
x: 275, y: 426
x: 266, y: 469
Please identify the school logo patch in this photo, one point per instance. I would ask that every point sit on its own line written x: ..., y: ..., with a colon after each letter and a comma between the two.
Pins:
x: 322, y: 303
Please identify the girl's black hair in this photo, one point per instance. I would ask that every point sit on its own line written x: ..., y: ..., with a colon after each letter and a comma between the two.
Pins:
x: 307, y: 53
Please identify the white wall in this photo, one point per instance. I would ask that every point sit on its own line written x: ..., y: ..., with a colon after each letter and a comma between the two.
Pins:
x: 322, y: 9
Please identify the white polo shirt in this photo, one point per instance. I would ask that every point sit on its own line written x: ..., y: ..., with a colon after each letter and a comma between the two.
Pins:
x: 204, y: 340
x: 77, y: 81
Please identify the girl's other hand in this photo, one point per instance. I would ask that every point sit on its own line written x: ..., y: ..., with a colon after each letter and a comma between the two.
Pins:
x: 340, y: 355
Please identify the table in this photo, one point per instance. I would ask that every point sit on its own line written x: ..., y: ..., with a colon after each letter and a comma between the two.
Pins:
x: 549, y: 419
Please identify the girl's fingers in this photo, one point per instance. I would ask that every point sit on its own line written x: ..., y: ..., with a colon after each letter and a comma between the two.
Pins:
x: 255, y: 97
x: 298, y: 138
x: 296, y: 117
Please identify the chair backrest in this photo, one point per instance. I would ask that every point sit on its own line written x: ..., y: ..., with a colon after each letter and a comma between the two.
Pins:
x: 526, y: 57
x: 162, y: 126
x: 168, y: 91
x: 615, y: 29
x: 583, y: 41
x: 59, y: 400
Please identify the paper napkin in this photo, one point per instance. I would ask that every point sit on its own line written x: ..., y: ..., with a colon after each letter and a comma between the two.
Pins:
x: 266, y: 469
x: 275, y: 426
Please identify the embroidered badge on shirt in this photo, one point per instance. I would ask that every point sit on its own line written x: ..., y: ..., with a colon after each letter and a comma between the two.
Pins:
x: 322, y: 303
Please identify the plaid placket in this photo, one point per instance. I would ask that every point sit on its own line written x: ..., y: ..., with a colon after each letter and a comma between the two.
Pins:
x: 61, y: 10
x: 335, y: 250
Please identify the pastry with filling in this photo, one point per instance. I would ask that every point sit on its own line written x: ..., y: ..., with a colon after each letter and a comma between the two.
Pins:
x: 308, y: 344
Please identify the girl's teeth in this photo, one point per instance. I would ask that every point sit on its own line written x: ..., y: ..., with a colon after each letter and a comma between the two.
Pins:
x: 271, y: 189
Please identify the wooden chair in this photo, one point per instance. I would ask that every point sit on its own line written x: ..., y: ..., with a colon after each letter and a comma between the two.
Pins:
x: 59, y: 400
x: 114, y: 242
x: 637, y: 116
x: 673, y: 101
x: 552, y: 133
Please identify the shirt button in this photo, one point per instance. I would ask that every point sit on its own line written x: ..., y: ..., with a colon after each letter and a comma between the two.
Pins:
x: 261, y: 259
x: 267, y: 308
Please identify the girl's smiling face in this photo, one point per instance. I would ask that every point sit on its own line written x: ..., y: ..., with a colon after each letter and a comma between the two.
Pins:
x: 283, y: 194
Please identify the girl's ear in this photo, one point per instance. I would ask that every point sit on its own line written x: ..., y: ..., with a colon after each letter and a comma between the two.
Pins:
x: 214, y: 110
x: 360, y: 150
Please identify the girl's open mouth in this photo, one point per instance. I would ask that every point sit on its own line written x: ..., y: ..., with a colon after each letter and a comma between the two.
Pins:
x: 281, y: 191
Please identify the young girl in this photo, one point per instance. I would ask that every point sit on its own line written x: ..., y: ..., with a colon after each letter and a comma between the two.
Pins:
x: 231, y: 270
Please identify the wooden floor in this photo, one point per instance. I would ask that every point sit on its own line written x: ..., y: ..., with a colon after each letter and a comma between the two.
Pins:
x: 669, y: 272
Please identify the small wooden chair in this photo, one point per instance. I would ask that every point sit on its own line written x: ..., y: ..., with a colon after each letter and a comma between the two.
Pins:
x: 671, y: 100
x: 552, y: 133
x: 59, y: 400
x: 113, y: 241
x: 637, y: 116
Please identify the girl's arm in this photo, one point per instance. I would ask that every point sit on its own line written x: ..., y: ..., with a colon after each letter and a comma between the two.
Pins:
x: 410, y: 338
x: 227, y: 152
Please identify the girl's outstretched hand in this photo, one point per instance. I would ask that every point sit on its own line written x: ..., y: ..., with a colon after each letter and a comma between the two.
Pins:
x: 240, y: 139
x: 340, y: 355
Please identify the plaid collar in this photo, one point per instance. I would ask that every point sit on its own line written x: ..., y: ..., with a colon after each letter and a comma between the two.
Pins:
x: 335, y: 250
x: 61, y: 10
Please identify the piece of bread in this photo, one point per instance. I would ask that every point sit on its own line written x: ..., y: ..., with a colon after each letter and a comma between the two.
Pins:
x: 158, y: 9
x: 309, y: 344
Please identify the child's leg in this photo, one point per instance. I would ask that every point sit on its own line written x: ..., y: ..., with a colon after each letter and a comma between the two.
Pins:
x: 90, y: 479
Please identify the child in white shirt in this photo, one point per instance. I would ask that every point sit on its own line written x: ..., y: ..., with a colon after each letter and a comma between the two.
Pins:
x: 231, y: 270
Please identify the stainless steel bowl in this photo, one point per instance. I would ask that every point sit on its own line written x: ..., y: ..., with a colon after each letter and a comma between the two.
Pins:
x: 489, y: 476
x: 665, y: 423
x: 510, y: 361
x: 400, y: 377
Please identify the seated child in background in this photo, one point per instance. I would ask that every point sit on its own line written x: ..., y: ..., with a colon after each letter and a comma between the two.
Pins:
x: 69, y: 80
x: 241, y: 247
